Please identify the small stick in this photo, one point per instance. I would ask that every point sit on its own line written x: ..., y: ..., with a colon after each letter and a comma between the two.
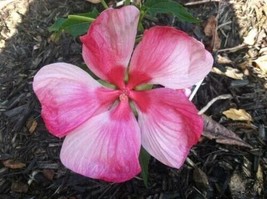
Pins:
x: 224, y: 24
x: 233, y: 49
x: 220, y: 97
x: 195, y: 90
x: 200, y: 2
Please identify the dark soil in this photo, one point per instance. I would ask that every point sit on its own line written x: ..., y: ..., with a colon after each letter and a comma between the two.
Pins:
x: 30, y: 166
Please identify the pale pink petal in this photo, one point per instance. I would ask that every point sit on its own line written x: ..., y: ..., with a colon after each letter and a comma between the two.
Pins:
x: 108, y: 45
x: 69, y: 97
x: 169, y: 57
x: 169, y: 124
x: 187, y: 92
x: 105, y: 147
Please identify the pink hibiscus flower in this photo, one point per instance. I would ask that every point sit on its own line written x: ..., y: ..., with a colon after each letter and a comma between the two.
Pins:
x: 103, y: 135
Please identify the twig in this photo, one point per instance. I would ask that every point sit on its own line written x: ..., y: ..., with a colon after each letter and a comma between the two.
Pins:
x: 200, y: 2
x: 104, y: 4
x: 224, y: 24
x: 220, y: 97
x: 233, y: 49
x: 195, y: 90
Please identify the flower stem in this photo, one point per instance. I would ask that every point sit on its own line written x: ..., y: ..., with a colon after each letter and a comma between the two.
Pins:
x: 127, y: 2
x: 140, y: 25
x: 104, y: 4
x: 81, y: 18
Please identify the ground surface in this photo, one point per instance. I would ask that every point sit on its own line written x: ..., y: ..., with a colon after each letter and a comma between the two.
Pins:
x: 29, y: 155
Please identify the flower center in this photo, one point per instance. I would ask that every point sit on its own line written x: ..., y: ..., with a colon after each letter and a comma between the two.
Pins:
x: 124, y: 95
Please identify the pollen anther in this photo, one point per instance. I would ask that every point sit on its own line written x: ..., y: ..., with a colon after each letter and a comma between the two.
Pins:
x: 123, y: 97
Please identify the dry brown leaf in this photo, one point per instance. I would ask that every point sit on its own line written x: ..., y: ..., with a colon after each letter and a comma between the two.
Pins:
x: 216, y: 42
x: 214, y: 130
x: 233, y: 73
x: 223, y: 60
x: 238, y: 114
x: 210, y: 30
x: 210, y: 26
x: 251, y: 37
x: 261, y: 62
x: 19, y: 187
x: 13, y: 164
x: 230, y: 72
x: 49, y: 173
x: 263, y: 51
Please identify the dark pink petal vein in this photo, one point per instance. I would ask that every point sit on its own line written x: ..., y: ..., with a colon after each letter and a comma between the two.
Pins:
x: 108, y: 45
x: 69, y: 96
x: 106, y: 147
x: 169, y: 124
x: 169, y: 57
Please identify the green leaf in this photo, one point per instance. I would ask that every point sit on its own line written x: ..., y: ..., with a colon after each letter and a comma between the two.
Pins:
x: 144, y: 158
x: 75, y: 25
x: 93, y: 14
x: 57, y: 25
x: 154, y: 7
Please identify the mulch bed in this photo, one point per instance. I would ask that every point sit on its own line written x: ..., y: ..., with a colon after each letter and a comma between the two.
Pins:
x: 29, y: 155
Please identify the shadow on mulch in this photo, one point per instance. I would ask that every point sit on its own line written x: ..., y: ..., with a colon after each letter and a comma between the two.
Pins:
x: 30, y: 165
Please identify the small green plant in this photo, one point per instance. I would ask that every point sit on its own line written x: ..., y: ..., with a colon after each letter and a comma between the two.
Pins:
x: 78, y: 24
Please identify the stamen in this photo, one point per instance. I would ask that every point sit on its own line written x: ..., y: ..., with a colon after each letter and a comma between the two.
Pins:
x: 124, y: 94
x: 123, y: 97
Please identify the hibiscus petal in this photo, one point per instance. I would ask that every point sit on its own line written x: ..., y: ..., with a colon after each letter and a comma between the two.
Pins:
x: 106, y: 147
x: 108, y: 45
x: 69, y: 96
x: 169, y: 57
x: 169, y: 124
